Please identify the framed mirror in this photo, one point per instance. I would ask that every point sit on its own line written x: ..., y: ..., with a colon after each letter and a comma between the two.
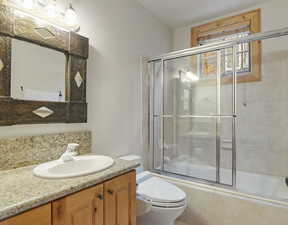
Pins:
x: 37, y: 73
x: 42, y: 71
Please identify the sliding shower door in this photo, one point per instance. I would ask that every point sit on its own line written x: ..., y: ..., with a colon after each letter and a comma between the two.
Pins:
x: 192, y: 116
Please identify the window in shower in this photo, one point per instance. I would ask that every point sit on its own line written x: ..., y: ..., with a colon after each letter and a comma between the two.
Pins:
x: 243, y: 63
x: 248, y: 62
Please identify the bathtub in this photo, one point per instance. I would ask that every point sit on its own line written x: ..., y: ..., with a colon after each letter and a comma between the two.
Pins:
x: 214, y: 205
x: 271, y: 187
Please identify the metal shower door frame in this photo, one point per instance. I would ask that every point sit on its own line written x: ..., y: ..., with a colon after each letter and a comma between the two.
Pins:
x: 218, y: 117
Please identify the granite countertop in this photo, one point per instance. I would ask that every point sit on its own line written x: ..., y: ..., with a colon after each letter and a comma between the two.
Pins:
x: 20, y: 190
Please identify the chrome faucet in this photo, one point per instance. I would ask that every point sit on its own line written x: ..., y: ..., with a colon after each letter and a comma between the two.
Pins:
x: 70, y: 152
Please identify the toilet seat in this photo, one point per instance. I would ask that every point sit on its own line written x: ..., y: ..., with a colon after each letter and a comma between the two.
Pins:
x: 163, y: 204
x: 158, y: 192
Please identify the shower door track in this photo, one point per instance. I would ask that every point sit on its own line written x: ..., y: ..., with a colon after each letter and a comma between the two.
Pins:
x: 191, y: 116
x: 221, y: 45
x: 190, y: 178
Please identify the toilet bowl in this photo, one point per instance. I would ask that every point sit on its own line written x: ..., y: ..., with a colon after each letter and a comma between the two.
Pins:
x: 158, y: 201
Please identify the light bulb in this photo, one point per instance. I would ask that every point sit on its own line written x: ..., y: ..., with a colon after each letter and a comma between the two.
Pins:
x: 71, y: 17
x: 51, y: 10
x: 28, y: 4
x: 192, y: 77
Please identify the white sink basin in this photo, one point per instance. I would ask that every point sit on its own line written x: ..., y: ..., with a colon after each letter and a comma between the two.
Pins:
x: 80, y: 166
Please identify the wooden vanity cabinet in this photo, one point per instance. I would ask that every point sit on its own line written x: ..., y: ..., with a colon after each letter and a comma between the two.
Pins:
x: 37, y: 216
x: 110, y: 203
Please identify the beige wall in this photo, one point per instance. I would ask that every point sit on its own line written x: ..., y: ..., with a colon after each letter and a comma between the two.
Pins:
x: 119, y: 32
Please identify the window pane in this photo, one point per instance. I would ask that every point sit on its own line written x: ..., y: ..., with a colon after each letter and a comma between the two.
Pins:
x: 229, y: 62
x: 243, y: 55
x: 246, y: 46
x: 246, y: 61
x: 226, y: 87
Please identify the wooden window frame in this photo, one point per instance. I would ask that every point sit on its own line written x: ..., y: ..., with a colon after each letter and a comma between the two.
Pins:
x: 253, y: 19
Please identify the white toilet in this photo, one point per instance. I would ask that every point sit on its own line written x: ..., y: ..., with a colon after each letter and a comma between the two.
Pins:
x: 158, y: 201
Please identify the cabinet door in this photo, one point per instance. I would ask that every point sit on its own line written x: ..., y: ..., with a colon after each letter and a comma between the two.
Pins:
x: 37, y: 216
x: 82, y: 208
x: 120, y: 200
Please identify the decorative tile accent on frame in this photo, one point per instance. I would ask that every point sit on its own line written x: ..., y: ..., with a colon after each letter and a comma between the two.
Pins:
x: 78, y: 79
x: 43, y: 112
x: 44, y: 32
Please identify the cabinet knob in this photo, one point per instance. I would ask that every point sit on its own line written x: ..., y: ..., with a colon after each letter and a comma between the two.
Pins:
x: 111, y: 192
x: 99, y: 196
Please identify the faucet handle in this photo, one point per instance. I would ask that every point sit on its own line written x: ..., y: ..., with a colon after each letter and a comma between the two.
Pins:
x: 71, y: 148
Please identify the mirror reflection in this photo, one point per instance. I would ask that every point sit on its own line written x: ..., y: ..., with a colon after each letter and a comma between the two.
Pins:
x: 37, y: 73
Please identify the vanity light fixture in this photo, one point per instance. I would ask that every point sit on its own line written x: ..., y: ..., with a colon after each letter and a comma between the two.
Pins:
x: 71, y: 17
x: 52, y: 9
x: 191, y: 77
x: 28, y: 4
x: 48, y: 11
x: 188, y: 76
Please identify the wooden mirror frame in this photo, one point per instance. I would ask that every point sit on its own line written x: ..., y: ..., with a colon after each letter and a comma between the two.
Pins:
x: 17, y: 25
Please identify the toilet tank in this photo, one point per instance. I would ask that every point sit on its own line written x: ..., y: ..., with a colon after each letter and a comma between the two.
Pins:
x: 136, y: 158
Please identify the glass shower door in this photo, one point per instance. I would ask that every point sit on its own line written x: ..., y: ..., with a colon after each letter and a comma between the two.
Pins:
x: 190, y: 104
x: 187, y: 103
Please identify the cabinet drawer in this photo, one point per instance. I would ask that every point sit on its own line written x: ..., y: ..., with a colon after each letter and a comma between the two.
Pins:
x: 37, y: 216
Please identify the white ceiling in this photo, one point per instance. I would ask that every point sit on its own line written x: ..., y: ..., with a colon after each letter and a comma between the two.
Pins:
x: 183, y: 12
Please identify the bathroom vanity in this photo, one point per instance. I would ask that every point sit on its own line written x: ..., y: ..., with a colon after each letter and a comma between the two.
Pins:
x: 107, y: 197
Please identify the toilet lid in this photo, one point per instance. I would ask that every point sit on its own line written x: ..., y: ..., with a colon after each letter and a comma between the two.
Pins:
x: 158, y: 190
